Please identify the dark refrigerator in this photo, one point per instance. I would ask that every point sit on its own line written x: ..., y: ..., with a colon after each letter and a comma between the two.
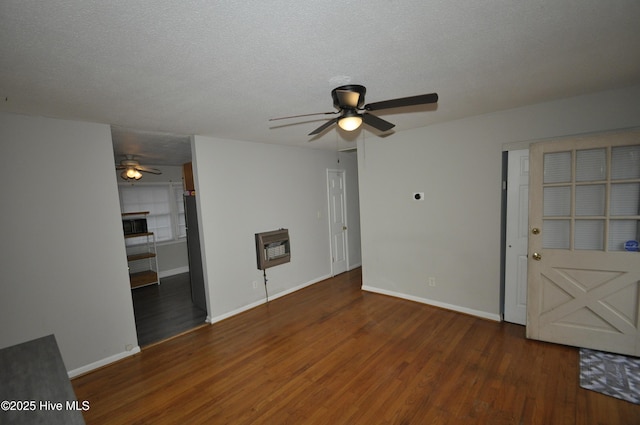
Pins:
x: 195, y: 258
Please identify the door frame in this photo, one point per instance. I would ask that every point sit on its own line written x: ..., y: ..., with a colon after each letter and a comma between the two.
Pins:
x: 510, y: 287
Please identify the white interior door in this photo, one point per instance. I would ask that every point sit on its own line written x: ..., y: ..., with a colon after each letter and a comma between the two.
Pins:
x: 337, y: 220
x: 583, y: 285
x: 515, y: 291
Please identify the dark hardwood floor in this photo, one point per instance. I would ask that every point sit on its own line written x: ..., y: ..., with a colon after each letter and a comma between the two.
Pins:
x: 165, y: 310
x: 333, y: 354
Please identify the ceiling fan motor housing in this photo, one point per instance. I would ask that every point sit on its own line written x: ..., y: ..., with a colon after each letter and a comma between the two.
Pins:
x: 129, y: 163
x: 348, y: 97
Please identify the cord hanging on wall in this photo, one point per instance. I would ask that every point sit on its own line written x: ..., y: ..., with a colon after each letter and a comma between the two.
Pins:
x: 266, y: 292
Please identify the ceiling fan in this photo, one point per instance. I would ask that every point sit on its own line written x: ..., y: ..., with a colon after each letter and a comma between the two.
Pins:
x: 132, y: 169
x: 349, y: 101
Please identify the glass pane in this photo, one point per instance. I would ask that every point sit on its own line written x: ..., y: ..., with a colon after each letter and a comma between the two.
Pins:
x: 182, y: 226
x: 557, y: 167
x: 590, y: 200
x: 589, y: 234
x: 178, y: 198
x: 591, y: 165
x: 556, y: 234
x: 621, y: 231
x: 557, y: 201
x: 163, y: 234
x: 162, y: 220
x: 128, y: 196
x: 625, y: 199
x: 625, y: 162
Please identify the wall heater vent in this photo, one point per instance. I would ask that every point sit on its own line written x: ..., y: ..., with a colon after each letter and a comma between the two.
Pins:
x: 272, y: 248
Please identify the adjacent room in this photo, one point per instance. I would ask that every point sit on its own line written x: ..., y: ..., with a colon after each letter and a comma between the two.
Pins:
x: 160, y: 226
x: 360, y: 212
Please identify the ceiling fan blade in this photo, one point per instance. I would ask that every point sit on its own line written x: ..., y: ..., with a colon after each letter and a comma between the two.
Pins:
x: 303, y: 115
x: 148, y: 169
x: 324, y: 126
x: 422, y: 99
x: 376, y: 122
x: 120, y: 167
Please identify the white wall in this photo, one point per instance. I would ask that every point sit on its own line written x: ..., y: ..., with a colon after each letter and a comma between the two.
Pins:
x: 63, y: 261
x: 454, y: 235
x: 173, y: 258
x: 245, y: 188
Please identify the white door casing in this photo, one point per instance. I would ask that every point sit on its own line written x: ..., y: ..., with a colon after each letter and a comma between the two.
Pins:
x: 583, y: 287
x: 515, y: 292
x: 336, y: 191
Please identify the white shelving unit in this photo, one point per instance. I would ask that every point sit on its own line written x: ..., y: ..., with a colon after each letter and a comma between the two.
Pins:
x: 141, y: 254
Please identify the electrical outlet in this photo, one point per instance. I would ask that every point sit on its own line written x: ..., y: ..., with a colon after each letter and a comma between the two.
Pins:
x: 432, y: 281
x: 255, y: 284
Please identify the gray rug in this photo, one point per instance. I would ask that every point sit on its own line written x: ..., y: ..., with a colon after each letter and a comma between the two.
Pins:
x: 611, y: 374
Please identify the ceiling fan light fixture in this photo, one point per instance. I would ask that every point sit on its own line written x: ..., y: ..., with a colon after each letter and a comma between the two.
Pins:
x: 350, y: 121
x: 132, y: 169
x: 131, y: 174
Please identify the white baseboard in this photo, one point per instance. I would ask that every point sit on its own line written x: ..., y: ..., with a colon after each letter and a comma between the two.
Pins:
x: 172, y: 272
x: 354, y: 266
x: 459, y: 309
x: 259, y: 302
x: 100, y: 363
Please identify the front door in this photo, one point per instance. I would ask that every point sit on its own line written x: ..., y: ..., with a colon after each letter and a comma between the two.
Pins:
x: 337, y: 220
x: 583, y: 272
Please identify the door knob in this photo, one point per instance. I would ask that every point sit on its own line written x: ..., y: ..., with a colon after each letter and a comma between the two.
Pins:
x: 535, y: 231
x: 537, y: 256
x: 344, y: 227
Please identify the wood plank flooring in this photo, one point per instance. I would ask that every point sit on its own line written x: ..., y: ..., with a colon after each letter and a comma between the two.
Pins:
x: 165, y: 310
x: 333, y: 354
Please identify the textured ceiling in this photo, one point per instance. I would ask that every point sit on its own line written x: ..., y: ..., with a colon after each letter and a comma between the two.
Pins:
x: 223, y: 68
